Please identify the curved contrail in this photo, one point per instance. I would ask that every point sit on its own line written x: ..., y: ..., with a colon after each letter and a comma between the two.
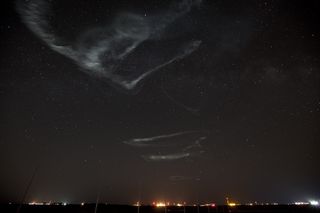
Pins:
x: 169, y: 157
x: 143, y: 142
x: 103, y: 51
x: 183, y: 150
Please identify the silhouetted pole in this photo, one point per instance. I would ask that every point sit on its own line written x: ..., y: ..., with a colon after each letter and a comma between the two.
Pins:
x: 97, y: 201
x: 139, y: 197
x: 99, y: 186
x: 27, y: 189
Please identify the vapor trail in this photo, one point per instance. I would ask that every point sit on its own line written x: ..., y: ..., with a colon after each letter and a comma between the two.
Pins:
x: 103, y: 51
x: 169, y: 157
x: 143, y: 142
x: 184, y: 106
x: 196, y: 144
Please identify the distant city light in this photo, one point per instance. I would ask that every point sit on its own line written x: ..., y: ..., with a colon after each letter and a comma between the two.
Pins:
x: 137, y: 204
x: 314, y: 203
x: 209, y: 205
x: 301, y: 203
x: 35, y: 203
x: 181, y: 204
x: 160, y: 204
x: 163, y: 204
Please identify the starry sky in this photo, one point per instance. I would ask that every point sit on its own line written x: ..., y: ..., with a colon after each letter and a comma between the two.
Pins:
x: 185, y: 100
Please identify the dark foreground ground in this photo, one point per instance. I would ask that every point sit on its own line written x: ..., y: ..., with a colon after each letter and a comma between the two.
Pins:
x: 149, y: 209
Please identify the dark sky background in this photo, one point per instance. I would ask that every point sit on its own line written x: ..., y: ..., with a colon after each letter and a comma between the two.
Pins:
x: 160, y: 100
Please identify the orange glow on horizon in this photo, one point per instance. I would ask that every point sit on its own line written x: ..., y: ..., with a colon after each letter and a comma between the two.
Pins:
x: 160, y: 204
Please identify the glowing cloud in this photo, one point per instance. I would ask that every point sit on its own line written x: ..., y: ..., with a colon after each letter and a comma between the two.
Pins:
x: 178, y: 145
x: 153, y: 141
x: 169, y: 157
x: 113, y: 52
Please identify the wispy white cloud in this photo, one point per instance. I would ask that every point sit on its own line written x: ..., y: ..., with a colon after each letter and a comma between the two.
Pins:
x: 187, y: 147
x: 168, y: 157
x: 144, y: 142
x: 196, y: 144
x: 102, y: 49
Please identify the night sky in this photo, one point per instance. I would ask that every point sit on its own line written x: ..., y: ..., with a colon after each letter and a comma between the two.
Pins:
x: 183, y: 100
